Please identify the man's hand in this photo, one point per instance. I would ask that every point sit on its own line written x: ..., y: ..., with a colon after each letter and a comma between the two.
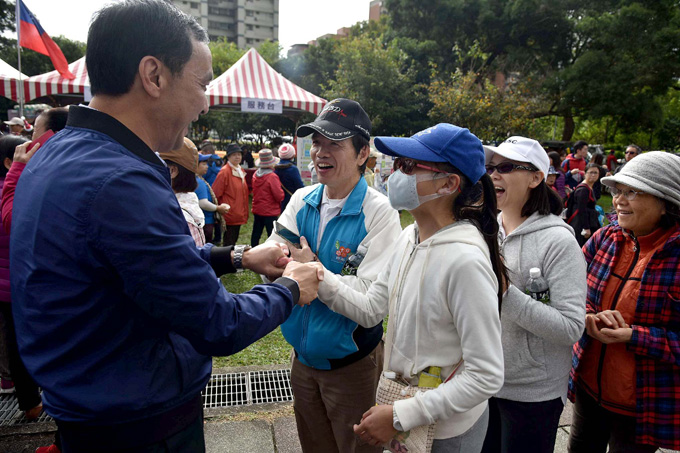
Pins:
x: 23, y: 154
x: 308, y: 276
x: 303, y: 255
x: 268, y: 259
x: 587, y: 233
x: 376, y: 425
x: 223, y: 208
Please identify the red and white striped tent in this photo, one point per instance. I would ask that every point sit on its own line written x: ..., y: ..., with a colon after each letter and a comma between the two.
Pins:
x: 9, y: 81
x: 252, y: 77
x: 52, y: 83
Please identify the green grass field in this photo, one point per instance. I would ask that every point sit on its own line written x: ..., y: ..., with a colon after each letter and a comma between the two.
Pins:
x: 273, y: 348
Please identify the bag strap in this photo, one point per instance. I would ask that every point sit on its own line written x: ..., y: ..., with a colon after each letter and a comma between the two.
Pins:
x: 389, y: 337
x: 287, y: 191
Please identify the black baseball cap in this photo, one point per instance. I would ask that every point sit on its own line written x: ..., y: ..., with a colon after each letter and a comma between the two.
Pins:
x: 339, y: 119
x: 233, y: 148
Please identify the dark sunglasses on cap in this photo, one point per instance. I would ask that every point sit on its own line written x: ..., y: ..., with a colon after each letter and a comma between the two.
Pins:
x: 507, y: 167
x: 408, y: 165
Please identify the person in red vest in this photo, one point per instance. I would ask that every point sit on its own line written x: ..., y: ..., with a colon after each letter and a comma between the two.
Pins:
x: 267, y: 196
x: 574, y: 165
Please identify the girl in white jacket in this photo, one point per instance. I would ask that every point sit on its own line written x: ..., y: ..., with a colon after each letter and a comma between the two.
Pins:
x: 442, y: 282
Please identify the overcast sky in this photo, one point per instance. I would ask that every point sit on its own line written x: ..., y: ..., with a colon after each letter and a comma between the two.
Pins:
x: 300, y: 21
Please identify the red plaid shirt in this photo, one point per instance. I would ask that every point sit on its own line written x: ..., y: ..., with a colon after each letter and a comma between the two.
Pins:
x: 656, y: 333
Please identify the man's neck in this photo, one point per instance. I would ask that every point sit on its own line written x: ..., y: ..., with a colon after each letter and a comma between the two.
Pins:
x: 122, y: 109
x: 340, y: 192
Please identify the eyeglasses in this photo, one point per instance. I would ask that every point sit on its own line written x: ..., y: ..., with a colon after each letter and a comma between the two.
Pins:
x: 629, y: 194
x: 631, y: 152
x: 408, y: 165
x: 507, y: 167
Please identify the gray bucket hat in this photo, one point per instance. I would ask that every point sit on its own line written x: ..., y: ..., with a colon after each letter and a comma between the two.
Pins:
x: 656, y: 173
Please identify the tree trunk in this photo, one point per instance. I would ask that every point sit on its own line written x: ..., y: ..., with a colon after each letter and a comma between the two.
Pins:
x: 606, y: 132
x: 569, y: 127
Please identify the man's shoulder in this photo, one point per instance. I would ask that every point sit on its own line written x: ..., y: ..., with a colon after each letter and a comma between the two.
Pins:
x: 376, y: 201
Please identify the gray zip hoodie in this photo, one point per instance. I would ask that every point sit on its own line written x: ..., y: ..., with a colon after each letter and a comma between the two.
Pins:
x: 537, y: 337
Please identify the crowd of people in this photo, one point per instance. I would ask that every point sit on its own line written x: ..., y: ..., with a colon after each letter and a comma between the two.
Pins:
x: 505, y: 297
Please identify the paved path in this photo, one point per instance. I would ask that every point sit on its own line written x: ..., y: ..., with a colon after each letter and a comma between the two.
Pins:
x: 257, y: 428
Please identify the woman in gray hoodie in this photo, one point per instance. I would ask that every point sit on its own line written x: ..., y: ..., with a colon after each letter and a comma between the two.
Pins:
x: 538, y: 333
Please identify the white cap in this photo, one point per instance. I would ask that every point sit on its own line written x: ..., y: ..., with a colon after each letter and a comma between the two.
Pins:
x: 534, y: 272
x: 521, y: 149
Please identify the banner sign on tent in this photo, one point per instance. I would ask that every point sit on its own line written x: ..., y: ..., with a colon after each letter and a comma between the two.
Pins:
x: 304, y: 158
x: 250, y: 105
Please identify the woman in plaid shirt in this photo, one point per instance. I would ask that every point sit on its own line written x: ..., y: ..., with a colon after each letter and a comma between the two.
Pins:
x: 625, y: 379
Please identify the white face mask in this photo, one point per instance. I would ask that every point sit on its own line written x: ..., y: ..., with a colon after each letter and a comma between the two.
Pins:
x: 402, y: 189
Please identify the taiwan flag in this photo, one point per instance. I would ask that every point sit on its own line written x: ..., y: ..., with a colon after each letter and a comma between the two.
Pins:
x: 32, y: 36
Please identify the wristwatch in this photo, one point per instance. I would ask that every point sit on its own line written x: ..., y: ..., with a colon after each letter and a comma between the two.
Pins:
x: 239, y: 250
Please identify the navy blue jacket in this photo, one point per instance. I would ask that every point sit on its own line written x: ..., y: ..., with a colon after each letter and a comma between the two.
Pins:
x: 290, y: 178
x: 117, y: 312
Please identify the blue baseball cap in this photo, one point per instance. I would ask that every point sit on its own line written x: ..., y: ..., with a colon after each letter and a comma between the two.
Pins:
x: 203, y: 157
x: 441, y: 143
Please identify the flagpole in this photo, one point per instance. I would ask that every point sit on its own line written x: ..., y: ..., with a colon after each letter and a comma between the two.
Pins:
x: 21, y: 82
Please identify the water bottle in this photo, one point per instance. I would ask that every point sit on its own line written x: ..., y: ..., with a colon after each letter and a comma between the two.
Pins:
x: 538, y: 287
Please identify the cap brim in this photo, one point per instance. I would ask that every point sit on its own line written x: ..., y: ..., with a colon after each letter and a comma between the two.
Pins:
x: 406, y: 147
x: 330, y: 130
x: 489, y: 151
x: 626, y: 180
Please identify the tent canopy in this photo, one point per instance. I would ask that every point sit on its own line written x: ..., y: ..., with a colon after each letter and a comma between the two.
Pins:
x: 52, y: 83
x: 9, y: 85
x: 251, y: 77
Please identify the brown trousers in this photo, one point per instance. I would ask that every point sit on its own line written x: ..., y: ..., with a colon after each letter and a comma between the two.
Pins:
x: 328, y: 403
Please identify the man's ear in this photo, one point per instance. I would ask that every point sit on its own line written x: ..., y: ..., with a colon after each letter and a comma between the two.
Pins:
x: 152, y: 74
x: 364, y: 153
x: 7, y: 162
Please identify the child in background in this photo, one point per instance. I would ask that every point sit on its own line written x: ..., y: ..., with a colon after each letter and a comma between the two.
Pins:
x: 267, y: 195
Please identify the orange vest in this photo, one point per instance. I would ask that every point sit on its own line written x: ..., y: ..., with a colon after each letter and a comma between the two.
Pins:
x: 607, y: 372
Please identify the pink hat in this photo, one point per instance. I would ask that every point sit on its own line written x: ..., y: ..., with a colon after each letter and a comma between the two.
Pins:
x: 286, y: 151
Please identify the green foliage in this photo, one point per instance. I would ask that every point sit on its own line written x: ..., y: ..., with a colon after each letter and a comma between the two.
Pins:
x: 226, y: 53
x: 7, y: 17
x: 377, y: 76
x: 492, y: 113
x: 33, y: 63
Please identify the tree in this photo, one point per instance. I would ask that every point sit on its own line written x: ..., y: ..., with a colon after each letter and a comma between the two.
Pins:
x: 578, y: 53
x: 226, y: 53
x: 34, y: 63
x: 377, y: 76
x: 7, y: 16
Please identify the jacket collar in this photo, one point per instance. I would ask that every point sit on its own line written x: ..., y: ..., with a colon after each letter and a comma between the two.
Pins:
x: 89, y: 118
x: 354, y: 201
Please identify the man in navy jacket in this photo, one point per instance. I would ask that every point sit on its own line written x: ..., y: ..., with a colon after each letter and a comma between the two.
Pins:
x: 117, y: 312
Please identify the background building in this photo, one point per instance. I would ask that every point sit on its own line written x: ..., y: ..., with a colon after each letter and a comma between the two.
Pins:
x: 248, y: 23
x: 376, y: 9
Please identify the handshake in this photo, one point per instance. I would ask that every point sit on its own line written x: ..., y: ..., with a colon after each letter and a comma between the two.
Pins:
x: 272, y: 260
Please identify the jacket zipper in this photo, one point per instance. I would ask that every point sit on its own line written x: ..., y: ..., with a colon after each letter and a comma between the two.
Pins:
x: 305, y: 325
x: 401, y: 287
x: 603, y: 351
